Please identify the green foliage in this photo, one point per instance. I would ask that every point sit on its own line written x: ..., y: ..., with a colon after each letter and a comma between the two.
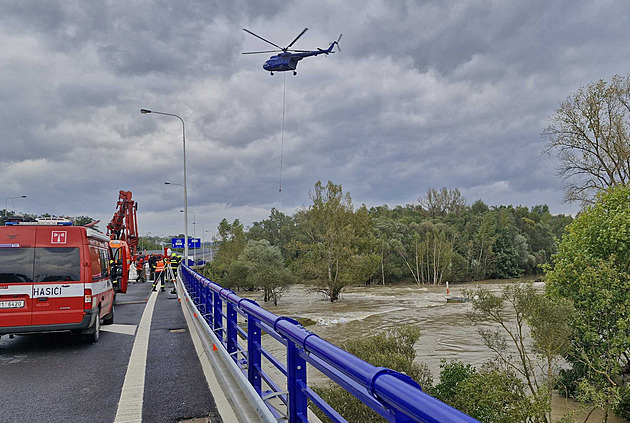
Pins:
x: 230, y: 242
x: 392, y: 349
x: 521, y: 307
x: 280, y: 230
x: 152, y: 242
x: 332, y: 256
x: 506, y: 256
x: 591, y: 269
x: 451, y: 375
x: 332, y: 245
x: 496, y: 396
x: 260, y: 265
x: 82, y: 220
x: 489, y: 395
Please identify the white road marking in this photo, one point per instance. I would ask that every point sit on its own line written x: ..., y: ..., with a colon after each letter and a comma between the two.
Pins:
x: 131, y: 396
x: 124, y: 329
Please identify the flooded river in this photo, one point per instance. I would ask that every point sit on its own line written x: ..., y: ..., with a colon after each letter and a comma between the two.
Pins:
x: 362, y: 311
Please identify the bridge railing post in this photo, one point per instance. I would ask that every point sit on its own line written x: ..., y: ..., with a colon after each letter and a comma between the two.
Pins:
x: 218, y: 318
x: 207, y: 304
x: 296, y: 384
x: 232, y: 324
x: 254, y: 356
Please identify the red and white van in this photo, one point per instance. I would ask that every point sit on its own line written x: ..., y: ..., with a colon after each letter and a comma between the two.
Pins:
x: 54, y: 277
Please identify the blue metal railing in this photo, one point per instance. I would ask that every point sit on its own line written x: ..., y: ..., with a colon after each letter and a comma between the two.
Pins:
x: 393, y: 395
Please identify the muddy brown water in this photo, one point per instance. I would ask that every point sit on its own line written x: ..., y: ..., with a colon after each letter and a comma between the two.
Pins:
x: 445, y: 333
x: 367, y: 310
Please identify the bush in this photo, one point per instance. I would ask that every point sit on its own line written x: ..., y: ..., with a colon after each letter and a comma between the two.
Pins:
x: 451, y: 375
x: 490, y: 395
x: 392, y: 349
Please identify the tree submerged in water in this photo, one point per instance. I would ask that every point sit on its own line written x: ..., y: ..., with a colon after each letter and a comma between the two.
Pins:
x: 529, y: 333
x: 333, y: 256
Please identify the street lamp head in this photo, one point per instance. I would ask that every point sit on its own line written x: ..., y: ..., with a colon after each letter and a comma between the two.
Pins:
x: 167, y: 183
x: 145, y: 111
x: 23, y: 196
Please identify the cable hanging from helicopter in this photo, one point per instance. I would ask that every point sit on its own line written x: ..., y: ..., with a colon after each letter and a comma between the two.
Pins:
x: 288, y: 59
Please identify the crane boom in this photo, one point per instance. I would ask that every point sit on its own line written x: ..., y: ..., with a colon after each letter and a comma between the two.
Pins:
x: 123, y: 225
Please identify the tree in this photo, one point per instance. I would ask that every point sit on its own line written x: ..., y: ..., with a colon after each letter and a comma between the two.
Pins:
x: 82, y: 220
x: 387, y: 233
x: 548, y: 321
x: 261, y: 265
x: 332, y: 257
x: 443, y: 201
x: 436, y: 252
x: 590, y: 133
x: 592, y: 269
x: 279, y: 229
x: 481, y: 246
x: 230, y: 242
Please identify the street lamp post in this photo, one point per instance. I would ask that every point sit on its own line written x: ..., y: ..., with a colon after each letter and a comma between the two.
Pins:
x: 194, y: 233
x: 146, y: 111
x: 6, y: 208
x: 186, y: 240
x: 203, y: 234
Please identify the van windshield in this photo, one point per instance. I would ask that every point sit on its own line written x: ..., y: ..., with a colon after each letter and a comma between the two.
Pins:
x: 43, y: 264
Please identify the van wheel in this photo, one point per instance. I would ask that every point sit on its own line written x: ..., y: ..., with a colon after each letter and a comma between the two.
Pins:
x: 109, y: 319
x: 95, y: 332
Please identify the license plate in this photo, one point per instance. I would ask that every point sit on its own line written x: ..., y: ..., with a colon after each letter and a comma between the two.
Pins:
x: 12, y: 304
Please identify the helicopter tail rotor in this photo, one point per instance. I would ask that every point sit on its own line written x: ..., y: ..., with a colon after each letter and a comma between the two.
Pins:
x: 337, y: 42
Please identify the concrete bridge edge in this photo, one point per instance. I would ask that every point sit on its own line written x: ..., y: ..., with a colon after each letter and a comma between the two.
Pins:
x: 235, y: 398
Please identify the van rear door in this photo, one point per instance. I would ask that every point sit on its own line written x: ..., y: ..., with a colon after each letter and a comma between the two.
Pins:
x: 58, y: 290
x: 16, y: 276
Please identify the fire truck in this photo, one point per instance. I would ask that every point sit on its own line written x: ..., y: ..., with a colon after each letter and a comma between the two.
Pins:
x: 56, y: 277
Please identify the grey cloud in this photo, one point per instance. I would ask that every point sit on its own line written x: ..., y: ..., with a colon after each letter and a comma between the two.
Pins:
x: 423, y: 94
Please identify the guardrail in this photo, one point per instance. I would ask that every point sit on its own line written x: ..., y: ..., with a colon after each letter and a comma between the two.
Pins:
x: 393, y: 395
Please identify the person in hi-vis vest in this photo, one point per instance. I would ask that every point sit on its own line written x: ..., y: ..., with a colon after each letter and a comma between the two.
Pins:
x: 160, y: 267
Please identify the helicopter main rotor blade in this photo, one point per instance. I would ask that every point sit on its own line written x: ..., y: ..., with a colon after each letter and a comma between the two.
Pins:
x: 259, y: 52
x: 296, y: 38
x: 258, y: 36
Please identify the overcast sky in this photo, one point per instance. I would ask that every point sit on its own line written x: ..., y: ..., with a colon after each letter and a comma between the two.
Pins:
x: 423, y: 94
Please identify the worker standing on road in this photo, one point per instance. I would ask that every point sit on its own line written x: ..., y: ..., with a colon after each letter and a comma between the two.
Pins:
x: 152, y: 263
x: 140, y: 269
x: 175, y: 261
x: 160, y: 267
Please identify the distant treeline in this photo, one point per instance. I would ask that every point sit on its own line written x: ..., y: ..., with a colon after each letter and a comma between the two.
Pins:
x: 440, y: 239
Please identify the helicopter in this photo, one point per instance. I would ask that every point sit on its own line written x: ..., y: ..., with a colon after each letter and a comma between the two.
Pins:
x: 289, y: 58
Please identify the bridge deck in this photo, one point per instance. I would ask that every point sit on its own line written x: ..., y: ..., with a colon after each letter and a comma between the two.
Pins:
x: 57, y: 377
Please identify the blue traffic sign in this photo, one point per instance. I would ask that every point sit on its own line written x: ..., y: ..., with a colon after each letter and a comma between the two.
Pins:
x: 192, y: 243
x: 177, y: 242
